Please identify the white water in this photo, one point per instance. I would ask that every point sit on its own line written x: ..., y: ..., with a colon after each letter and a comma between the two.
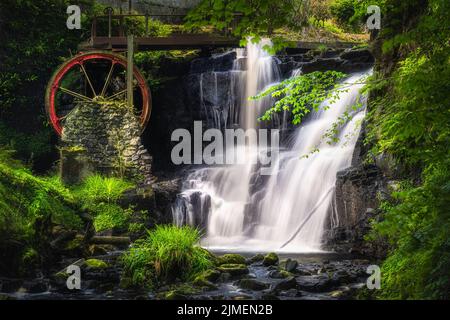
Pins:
x: 286, y: 211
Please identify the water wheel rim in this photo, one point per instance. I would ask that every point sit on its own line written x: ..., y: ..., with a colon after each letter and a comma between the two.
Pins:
x: 55, y: 81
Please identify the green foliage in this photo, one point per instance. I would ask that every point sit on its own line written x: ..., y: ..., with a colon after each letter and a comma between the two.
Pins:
x: 301, y: 95
x: 34, y: 41
x: 153, y: 63
x: 417, y: 223
x: 320, y: 11
x: 409, y: 119
x: 98, y: 189
x: 100, y: 195
x: 167, y: 253
x: 96, y: 264
x: 349, y: 13
x: 255, y: 18
x: 28, y: 147
x: 29, y: 206
x: 110, y: 216
x: 34, y: 38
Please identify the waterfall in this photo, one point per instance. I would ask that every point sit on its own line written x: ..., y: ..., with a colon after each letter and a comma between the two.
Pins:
x: 241, y: 210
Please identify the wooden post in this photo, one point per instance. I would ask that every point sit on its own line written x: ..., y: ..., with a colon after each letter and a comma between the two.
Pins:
x: 130, y: 44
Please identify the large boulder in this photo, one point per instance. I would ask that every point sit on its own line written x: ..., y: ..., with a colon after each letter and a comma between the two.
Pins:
x: 285, y: 284
x: 316, y: 283
x: 252, y: 284
x: 231, y: 258
x: 234, y: 269
x: 270, y: 259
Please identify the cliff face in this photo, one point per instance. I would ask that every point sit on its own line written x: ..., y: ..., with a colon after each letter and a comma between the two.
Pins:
x: 359, y: 190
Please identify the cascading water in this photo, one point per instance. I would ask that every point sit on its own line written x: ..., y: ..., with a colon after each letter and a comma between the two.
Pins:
x: 241, y: 210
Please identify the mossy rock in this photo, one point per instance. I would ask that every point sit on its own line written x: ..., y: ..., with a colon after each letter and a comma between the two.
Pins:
x: 62, y: 275
x: 203, y: 283
x: 256, y: 258
x: 4, y: 297
x: 97, y: 250
x: 75, y: 245
x: 270, y: 259
x: 174, y: 295
x: 210, y: 275
x: 96, y: 264
x: 234, y: 269
x: 279, y: 274
x: 231, y: 258
x: 179, y: 292
x: 126, y: 283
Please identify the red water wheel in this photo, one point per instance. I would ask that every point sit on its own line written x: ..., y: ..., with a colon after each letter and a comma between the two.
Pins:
x: 93, y: 76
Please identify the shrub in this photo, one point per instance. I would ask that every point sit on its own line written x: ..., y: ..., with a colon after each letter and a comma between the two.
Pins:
x: 111, y: 216
x: 29, y: 206
x: 100, y: 196
x: 97, y: 189
x: 344, y: 11
x: 167, y: 253
x: 417, y: 223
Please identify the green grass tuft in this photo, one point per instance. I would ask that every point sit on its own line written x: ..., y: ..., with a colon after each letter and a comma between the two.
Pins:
x: 167, y: 253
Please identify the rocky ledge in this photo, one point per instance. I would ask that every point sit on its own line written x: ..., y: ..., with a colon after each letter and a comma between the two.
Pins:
x: 235, y: 278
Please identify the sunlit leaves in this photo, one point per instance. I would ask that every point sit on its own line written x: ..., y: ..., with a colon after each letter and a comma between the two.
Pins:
x: 303, y: 94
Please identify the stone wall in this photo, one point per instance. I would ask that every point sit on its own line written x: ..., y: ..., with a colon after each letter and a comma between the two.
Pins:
x: 110, y: 136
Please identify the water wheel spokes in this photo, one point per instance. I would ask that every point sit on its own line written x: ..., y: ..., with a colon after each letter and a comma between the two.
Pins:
x: 93, y: 76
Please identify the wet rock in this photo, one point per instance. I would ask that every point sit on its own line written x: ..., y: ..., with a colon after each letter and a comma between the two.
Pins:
x: 203, y: 283
x: 75, y: 247
x: 279, y: 274
x: 10, y: 285
x: 125, y: 283
x: 304, y: 270
x: 234, y: 269
x: 342, y: 277
x: 97, y: 250
x: 286, y: 284
x: 210, y: 275
x: 36, y: 286
x: 256, y: 258
x: 291, y: 293
x: 231, y: 258
x: 242, y: 297
x: 175, y: 295
x: 96, y: 264
x: 316, y: 283
x: 252, y: 284
x: 105, y: 287
x: 270, y: 259
x: 340, y: 294
x: 4, y: 297
x: 358, y: 56
x: 223, y: 62
x: 290, y: 265
x: 357, y: 190
x: 269, y: 296
x: 224, y: 277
